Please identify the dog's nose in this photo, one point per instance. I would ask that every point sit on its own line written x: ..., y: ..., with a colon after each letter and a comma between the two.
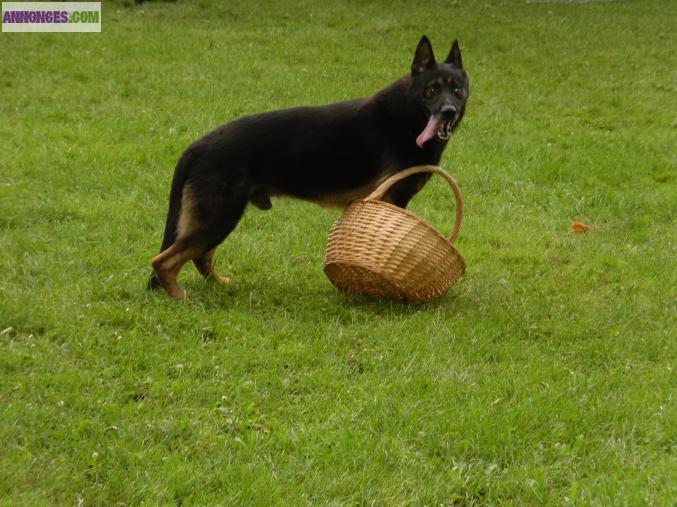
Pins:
x: 448, y: 110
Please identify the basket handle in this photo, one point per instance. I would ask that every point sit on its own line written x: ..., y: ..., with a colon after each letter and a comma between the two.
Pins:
x: 385, y: 186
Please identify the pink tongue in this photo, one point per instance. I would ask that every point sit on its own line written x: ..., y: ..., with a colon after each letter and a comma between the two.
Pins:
x: 434, y: 123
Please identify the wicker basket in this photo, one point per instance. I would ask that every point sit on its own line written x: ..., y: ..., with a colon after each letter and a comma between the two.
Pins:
x: 381, y: 250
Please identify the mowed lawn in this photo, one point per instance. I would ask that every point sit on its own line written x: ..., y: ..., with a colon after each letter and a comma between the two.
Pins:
x: 545, y: 376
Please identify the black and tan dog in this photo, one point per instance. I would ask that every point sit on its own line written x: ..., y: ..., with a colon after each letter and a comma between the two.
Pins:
x: 328, y: 154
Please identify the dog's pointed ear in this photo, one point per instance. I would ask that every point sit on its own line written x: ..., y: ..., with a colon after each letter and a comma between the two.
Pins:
x: 455, y: 55
x: 424, y: 57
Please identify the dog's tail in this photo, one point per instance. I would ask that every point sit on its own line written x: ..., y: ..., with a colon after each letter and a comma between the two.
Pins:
x: 173, y: 214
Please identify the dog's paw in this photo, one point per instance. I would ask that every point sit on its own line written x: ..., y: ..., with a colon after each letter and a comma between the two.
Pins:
x: 179, y: 295
x: 221, y: 280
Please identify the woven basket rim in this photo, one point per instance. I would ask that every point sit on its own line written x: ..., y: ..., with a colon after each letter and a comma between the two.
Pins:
x: 397, y: 209
x: 432, y: 169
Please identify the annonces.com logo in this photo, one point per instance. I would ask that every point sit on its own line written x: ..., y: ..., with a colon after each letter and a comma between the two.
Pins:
x: 51, y: 16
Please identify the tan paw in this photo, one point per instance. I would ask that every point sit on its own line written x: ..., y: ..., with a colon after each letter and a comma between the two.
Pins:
x: 222, y: 280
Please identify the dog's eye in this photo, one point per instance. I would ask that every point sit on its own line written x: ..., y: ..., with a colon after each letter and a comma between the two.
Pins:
x: 457, y: 91
x: 432, y: 90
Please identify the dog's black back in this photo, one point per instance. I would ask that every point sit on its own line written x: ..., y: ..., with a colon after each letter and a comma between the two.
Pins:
x: 327, y: 154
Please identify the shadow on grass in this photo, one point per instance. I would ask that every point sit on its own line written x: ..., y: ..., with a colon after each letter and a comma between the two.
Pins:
x: 313, y: 299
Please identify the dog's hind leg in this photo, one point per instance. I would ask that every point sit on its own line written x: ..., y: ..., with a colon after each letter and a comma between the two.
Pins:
x: 202, y: 225
x: 205, y: 265
x: 173, y: 215
x: 168, y: 264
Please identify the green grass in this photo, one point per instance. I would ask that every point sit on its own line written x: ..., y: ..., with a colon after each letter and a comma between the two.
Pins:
x: 544, y: 377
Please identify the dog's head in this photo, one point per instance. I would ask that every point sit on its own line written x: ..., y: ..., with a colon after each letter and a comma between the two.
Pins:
x: 441, y: 90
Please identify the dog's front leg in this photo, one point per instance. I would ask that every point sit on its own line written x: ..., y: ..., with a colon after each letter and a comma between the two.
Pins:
x: 401, y: 192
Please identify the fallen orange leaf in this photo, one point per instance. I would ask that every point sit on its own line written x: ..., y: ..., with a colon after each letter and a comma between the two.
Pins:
x: 578, y: 227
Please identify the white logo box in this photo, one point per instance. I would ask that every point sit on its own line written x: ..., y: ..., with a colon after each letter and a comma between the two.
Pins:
x: 51, y: 16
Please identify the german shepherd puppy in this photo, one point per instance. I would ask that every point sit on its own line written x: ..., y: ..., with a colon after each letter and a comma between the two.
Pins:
x: 329, y: 155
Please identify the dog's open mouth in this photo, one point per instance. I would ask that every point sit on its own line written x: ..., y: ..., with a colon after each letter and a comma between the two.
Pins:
x: 437, y: 127
x: 444, y: 132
